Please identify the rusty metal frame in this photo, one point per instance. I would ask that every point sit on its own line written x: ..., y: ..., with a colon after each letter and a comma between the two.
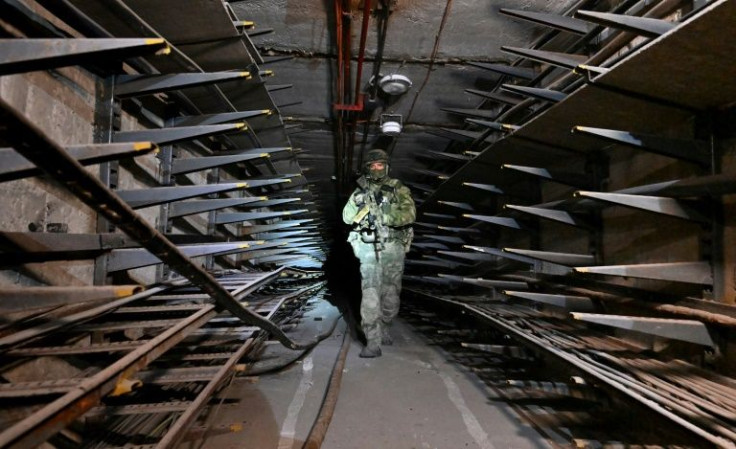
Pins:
x: 656, y: 402
x: 37, y: 147
x: 38, y: 427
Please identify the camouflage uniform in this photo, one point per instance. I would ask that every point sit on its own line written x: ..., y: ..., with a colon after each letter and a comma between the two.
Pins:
x: 379, y: 241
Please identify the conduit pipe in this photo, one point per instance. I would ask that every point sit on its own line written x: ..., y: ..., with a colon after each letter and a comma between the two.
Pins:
x: 361, y: 52
x: 346, y: 127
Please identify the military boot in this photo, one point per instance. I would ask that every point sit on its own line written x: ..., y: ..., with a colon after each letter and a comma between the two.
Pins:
x: 372, y: 349
x: 386, y: 338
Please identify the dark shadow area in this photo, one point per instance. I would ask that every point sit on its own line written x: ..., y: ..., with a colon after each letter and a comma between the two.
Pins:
x: 342, y: 272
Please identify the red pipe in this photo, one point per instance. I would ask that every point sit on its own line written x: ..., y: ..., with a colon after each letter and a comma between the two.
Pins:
x: 338, y: 21
x: 357, y: 104
x: 361, y: 52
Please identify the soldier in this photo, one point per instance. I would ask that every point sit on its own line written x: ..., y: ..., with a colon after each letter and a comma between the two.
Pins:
x: 381, y: 211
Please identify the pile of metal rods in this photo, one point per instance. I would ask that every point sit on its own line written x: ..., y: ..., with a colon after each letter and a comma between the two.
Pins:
x: 158, y: 341
x: 695, y: 399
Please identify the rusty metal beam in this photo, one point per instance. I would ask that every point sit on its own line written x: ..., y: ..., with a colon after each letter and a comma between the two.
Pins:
x: 556, y: 21
x: 560, y: 216
x: 38, y: 427
x: 503, y: 127
x: 216, y: 119
x: 459, y: 205
x: 26, y: 55
x: 573, y: 179
x: 29, y: 298
x: 177, y: 430
x: 655, y: 204
x: 139, y: 198
x: 193, y: 164
x: 570, y: 302
x: 505, y: 69
x: 695, y: 151
x: 486, y: 187
x: 684, y: 330
x: 163, y: 136
x: 126, y: 259
x: 480, y: 113
x: 507, y: 222
x: 477, y: 257
x: 138, y: 85
x: 498, y: 97
x: 237, y: 217
x: 495, y: 283
x: 550, y: 95
x: 564, y: 60
x: 568, y: 259
x: 689, y: 272
x: 14, y: 166
x: 248, y: 230
x: 182, y: 208
x: 646, y: 26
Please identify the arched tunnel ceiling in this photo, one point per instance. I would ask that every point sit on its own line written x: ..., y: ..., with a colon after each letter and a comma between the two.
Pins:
x: 473, y: 31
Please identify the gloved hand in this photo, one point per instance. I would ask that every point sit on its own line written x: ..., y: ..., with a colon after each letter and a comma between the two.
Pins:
x: 379, y: 197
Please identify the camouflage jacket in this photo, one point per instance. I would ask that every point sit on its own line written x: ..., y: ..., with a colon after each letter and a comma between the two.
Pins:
x: 390, y: 204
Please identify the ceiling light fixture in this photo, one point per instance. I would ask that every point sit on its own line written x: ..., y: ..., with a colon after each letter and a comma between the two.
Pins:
x: 391, y: 124
x: 394, y: 84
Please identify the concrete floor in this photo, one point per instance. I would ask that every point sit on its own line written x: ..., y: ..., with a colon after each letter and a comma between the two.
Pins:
x: 411, y: 397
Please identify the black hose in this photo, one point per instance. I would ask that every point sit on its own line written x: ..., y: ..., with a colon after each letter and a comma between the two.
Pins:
x: 278, y: 363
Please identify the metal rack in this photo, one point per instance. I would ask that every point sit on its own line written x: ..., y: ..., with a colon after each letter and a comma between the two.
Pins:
x: 605, y: 122
x: 595, y: 197
x: 194, y: 162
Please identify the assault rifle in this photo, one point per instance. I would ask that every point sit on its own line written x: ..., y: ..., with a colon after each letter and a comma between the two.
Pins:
x: 372, y: 229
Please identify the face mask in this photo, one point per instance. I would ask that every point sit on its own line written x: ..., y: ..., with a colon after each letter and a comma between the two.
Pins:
x: 378, y: 175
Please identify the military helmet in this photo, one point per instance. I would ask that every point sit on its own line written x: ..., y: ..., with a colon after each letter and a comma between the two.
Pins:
x: 376, y: 155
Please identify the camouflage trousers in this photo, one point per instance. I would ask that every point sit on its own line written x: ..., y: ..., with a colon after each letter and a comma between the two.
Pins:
x: 381, y: 284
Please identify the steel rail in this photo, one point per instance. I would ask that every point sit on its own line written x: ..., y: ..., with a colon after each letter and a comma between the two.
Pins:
x: 691, y: 411
x: 41, y: 330
x: 585, y: 364
x: 703, y: 403
x: 640, y: 368
x: 177, y: 431
x: 47, y: 421
x: 36, y: 146
x: 318, y: 431
x: 253, y: 285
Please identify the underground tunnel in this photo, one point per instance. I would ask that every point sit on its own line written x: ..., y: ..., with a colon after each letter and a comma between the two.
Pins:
x: 359, y: 224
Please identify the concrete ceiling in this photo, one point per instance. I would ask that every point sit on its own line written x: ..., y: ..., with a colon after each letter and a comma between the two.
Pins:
x: 305, y: 29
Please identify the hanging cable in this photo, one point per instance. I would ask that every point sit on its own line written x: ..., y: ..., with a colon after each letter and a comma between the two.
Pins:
x: 382, y: 31
x: 432, y: 58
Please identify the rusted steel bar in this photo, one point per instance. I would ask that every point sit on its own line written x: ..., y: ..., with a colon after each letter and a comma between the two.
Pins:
x: 26, y: 298
x: 715, y: 434
x: 178, y: 430
x: 32, y: 143
x: 46, y: 328
x: 93, y: 348
x: 319, y: 429
x: 137, y: 409
x: 681, y: 395
x: 45, y: 422
x: 695, y: 416
x: 253, y: 285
